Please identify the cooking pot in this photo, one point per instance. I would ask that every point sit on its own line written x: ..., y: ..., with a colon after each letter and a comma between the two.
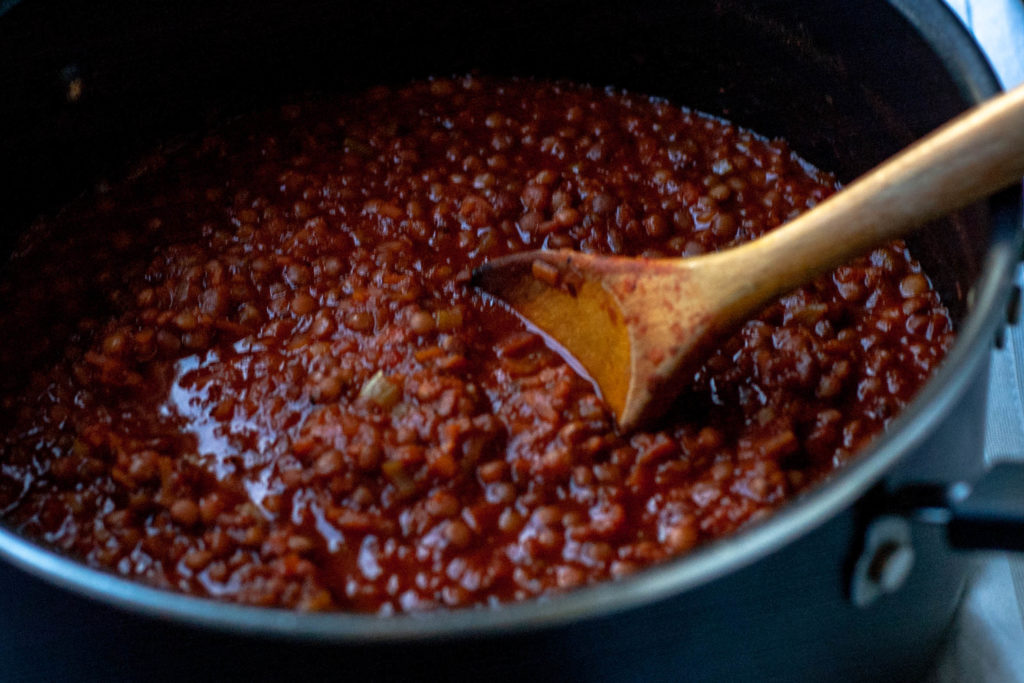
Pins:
x: 853, y: 580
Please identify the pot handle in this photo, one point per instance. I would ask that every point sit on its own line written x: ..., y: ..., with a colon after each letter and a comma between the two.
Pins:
x: 991, y: 514
x: 988, y: 515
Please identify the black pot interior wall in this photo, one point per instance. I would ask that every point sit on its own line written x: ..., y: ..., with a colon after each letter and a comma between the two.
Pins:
x: 85, y: 88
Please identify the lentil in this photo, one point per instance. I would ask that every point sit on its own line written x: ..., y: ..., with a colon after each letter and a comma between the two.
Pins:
x: 252, y: 371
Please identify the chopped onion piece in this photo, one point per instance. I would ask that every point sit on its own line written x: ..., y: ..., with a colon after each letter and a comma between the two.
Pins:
x: 381, y: 390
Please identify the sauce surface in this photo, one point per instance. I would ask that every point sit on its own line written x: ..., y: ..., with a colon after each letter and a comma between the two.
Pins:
x: 253, y: 370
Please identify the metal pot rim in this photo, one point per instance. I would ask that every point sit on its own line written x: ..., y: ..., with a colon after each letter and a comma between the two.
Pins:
x: 799, y: 517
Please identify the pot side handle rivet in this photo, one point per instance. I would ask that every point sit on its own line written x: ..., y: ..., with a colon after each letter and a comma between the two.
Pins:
x: 891, y: 566
x: 886, y: 561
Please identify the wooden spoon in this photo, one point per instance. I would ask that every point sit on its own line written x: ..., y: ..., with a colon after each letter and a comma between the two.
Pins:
x: 641, y: 327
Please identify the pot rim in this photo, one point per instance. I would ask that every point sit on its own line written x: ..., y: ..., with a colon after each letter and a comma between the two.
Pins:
x: 976, y: 81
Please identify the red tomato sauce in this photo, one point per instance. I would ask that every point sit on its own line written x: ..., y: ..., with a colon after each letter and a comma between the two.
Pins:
x: 253, y: 370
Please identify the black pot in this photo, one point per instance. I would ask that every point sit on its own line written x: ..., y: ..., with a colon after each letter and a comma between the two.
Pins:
x: 820, y: 591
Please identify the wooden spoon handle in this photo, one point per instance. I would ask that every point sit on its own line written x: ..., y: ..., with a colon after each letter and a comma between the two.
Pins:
x: 973, y: 156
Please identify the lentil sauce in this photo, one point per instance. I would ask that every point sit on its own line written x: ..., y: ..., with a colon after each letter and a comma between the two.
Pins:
x: 253, y: 370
